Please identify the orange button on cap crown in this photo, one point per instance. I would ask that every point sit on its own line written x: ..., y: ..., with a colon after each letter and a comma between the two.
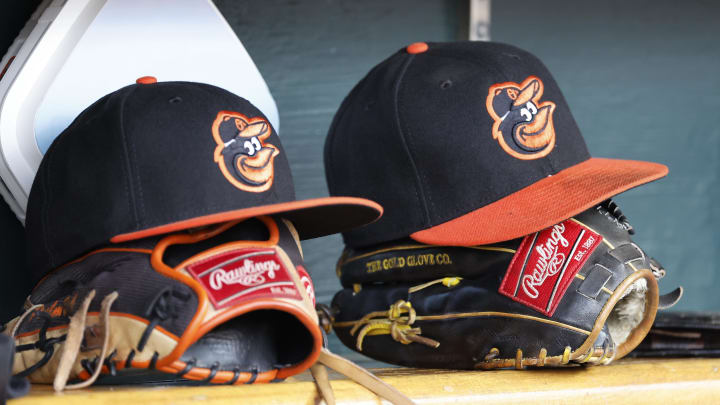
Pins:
x: 417, y: 47
x: 146, y: 80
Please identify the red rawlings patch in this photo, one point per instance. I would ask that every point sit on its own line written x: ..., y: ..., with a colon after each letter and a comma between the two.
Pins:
x: 546, y: 263
x: 243, y: 274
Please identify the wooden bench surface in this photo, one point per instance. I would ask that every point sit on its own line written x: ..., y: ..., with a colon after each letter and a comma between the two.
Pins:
x: 636, y: 381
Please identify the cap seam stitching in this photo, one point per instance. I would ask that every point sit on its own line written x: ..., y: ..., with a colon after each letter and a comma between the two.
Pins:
x: 128, y: 164
x: 419, y: 192
x: 422, y: 176
x: 140, y: 197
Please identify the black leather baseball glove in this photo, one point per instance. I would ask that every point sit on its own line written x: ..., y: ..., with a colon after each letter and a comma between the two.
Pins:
x: 578, y: 292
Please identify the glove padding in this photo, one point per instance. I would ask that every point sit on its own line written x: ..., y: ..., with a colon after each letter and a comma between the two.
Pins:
x: 228, y: 304
x: 578, y: 292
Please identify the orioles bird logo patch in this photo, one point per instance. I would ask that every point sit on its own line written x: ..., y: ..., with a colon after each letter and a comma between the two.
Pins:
x: 523, y: 124
x: 245, y: 159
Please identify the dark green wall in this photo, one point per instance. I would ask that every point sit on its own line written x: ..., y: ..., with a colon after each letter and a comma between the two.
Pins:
x: 643, y: 82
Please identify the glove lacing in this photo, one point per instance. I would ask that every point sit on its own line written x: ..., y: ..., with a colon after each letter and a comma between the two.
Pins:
x: 348, y: 369
x: 72, y: 340
x: 43, y: 344
x: 612, y: 208
x: 354, y: 373
x: 396, y: 321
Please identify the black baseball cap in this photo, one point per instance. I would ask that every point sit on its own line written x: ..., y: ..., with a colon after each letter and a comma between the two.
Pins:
x: 466, y: 143
x: 153, y: 158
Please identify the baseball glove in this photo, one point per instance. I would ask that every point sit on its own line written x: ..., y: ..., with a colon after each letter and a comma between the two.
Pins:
x: 227, y: 304
x: 578, y: 292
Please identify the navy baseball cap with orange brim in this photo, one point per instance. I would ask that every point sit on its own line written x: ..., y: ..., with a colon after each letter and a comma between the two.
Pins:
x: 466, y: 143
x: 159, y: 157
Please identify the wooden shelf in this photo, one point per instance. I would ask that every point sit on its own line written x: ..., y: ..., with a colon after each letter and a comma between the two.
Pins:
x: 636, y: 381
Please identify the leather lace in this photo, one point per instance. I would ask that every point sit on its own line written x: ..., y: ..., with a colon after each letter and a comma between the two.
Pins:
x: 615, y: 211
x: 355, y: 373
x: 160, y: 310
x: 396, y: 322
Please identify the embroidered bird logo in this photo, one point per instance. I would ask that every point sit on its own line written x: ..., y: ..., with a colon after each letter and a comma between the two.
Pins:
x: 523, y: 124
x: 245, y: 159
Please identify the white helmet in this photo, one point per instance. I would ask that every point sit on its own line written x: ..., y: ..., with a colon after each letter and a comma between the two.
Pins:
x: 72, y: 52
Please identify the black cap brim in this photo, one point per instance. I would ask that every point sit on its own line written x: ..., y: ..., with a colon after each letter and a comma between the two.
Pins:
x: 312, y: 218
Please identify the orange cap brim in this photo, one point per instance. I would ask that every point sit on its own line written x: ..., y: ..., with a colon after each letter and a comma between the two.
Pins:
x: 544, y: 203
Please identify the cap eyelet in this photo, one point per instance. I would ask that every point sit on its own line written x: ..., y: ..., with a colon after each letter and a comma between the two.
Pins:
x: 446, y: 84
x: 175, y: 100
x: 146, y: 80
x: 417, y: 47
